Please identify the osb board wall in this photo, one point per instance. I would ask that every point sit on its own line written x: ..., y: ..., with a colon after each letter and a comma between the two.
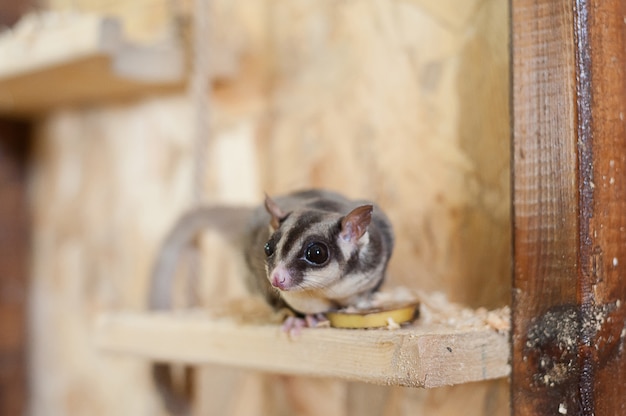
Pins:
x: 405, y: 102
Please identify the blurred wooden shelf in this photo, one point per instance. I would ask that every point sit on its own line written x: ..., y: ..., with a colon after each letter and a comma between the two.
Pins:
x: 52, y: 60
x: 421, y: 355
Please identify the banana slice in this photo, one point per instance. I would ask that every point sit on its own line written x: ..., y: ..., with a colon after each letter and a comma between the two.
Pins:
x: 375, y: 317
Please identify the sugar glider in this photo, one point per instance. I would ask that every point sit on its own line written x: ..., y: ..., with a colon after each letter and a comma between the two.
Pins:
x: 311, y: 251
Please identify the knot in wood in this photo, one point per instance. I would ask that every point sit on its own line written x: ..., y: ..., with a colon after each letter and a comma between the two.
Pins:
x: 556, y: 340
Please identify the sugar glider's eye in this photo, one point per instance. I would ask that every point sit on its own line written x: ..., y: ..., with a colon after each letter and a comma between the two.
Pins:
x: 269, y: 248
x: 316, y: 253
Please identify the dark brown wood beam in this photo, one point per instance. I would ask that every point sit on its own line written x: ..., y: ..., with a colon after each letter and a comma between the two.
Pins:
x: 14, y: 246
x: 569, y: 203
x: 12, y: 10
x: 14, y: 256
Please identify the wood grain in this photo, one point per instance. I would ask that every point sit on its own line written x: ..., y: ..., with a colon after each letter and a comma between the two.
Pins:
x: 420, y: 356
x: 569, y: 159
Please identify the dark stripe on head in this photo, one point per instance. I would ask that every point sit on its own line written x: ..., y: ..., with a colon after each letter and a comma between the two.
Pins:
x: 327, y: 205
x: 352, y: 264
x: 297, y: 229
x: 298, y: 268
x: 361, y: 261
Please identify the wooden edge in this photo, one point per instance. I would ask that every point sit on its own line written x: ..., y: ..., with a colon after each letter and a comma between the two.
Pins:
x: 418, y: 356
x: 58, y: 39
x: 37, y: 43
x: 57, y: 59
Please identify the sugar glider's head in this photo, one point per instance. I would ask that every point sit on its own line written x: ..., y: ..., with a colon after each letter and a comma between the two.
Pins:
x: 312, y: 249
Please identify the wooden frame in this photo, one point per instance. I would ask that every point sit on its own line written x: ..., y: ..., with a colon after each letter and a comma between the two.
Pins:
x: 569, y: 166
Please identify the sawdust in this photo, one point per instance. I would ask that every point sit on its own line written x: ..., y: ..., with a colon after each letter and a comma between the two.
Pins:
x: 437, y: 309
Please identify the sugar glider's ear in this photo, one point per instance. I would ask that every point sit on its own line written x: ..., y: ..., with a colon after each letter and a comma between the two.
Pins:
x: 275, y: 212
x: 354, y: 225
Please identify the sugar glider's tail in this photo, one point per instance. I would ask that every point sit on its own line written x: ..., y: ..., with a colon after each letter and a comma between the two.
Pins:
x: 230, y: 222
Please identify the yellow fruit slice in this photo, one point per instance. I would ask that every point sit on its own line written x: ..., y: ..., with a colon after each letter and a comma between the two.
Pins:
x: 374, y: 318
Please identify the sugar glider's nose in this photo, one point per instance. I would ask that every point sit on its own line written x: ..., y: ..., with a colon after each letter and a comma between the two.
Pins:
x: 281, y: 279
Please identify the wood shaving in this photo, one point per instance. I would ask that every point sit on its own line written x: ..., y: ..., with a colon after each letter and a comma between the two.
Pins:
x: 391, y: 324
x: 437, y: 309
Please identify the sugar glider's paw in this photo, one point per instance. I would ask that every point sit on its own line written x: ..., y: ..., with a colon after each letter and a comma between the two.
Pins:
x: 293, y: 325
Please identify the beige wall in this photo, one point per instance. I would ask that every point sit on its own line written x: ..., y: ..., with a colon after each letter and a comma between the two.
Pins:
x: 401, y: 101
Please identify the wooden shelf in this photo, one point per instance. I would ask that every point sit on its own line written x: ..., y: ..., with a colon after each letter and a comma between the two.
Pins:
x: 421, y: 355
x: 51, y: 60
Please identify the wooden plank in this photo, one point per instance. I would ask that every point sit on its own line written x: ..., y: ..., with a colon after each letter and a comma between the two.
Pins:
x: 569, y: 159
x: 420, y: 356
x: 67, y: 59
x: 14, y: 258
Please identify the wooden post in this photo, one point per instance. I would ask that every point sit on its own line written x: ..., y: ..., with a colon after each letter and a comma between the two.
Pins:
x: 569, y: 166
x: 14, y: 249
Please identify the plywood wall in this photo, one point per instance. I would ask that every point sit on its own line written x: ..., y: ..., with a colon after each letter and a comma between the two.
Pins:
x: 402, y: 101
